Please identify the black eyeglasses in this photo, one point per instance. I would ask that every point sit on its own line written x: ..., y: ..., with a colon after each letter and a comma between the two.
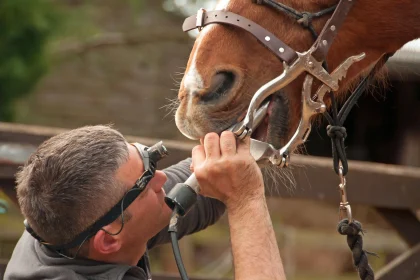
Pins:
x: 150, y: 156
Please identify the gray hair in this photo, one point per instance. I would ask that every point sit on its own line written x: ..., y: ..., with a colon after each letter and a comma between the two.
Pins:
x: 69, y: 181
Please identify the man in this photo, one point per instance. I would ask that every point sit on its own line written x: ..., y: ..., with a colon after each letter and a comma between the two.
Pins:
x: 75, y: 178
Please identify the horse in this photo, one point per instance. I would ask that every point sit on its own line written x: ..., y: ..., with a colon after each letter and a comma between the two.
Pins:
x: 229, y: 72
x: 227, y: 65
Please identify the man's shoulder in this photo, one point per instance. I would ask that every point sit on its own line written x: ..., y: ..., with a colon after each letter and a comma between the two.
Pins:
x: 26, y: 263
x: 31, y: 260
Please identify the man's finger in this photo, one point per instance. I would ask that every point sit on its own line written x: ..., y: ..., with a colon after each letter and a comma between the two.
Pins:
x: 227, y: 143
x: 243, y: 146
x: 198, y: 156
x: 212, y: 146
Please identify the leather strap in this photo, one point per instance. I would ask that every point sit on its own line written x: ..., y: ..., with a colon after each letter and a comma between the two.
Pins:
x: 278, y: 47
x: 330, y: 30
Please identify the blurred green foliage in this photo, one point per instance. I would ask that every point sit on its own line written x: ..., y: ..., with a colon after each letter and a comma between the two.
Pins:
x: 31, y: 32
x: 25, y: 28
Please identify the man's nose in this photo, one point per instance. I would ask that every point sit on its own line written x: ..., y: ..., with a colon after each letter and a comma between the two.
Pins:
x: 158, y: 181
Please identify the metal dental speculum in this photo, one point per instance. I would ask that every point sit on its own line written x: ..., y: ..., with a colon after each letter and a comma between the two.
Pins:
x: 305, y: 63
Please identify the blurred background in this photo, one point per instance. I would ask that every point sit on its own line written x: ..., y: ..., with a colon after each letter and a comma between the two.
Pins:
x: 68, y: 63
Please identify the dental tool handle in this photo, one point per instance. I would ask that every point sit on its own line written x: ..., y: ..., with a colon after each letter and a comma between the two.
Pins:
x: 183, y: 196
x: 193, y: 183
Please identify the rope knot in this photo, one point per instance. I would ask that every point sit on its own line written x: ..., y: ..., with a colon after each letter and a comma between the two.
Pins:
x: 336, y: 131
x: 306, y: 20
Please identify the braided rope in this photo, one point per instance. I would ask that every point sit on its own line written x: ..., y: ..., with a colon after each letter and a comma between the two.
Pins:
x: 354, y: 233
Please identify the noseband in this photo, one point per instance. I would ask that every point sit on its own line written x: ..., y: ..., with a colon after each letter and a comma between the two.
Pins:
x: 313, y: 63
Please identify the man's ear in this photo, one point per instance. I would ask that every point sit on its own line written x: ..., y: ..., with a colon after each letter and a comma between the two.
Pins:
x: 105, y: 243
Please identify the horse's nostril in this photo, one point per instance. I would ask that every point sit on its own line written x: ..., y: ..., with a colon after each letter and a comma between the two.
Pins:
x: 221, y: 84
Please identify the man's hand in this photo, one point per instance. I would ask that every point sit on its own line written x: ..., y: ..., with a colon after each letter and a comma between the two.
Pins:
x: 226, y: 170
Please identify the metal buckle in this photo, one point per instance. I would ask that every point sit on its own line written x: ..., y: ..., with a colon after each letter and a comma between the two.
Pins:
x: 345, y: 208
x: 200, y: 19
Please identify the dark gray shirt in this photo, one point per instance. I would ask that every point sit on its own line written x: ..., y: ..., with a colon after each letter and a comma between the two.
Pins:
x: 31, y: 260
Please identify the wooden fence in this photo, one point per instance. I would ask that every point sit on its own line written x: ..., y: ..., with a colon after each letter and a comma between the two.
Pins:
x: 394, y: 191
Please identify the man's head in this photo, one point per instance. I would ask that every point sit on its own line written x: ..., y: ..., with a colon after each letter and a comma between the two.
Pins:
x: 76, y: 177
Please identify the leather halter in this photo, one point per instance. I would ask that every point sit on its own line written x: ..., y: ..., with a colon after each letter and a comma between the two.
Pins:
x: 277, y: 46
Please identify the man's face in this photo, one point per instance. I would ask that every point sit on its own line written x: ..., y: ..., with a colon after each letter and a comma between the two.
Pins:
x: 149, y: 212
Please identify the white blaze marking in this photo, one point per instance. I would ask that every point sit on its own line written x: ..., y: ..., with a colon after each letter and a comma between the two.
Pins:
x: 193, y: 80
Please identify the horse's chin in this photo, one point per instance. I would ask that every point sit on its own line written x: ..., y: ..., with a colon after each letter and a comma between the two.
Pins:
x: 275, y: 127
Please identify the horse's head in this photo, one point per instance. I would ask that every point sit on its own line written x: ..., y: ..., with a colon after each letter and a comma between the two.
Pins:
x: 228, y: 65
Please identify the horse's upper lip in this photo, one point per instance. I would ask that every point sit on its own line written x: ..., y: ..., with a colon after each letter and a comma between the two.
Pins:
x: 242, y: 116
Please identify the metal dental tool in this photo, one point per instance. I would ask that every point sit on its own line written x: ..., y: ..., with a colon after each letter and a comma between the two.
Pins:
x: 309, y: 106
